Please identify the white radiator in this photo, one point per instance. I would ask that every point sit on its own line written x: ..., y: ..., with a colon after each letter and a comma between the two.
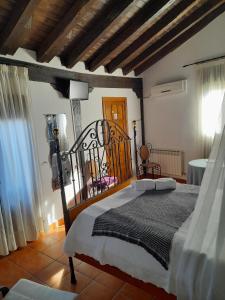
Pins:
x: 171, y: 161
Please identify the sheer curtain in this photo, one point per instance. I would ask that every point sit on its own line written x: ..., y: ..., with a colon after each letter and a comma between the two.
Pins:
x: 20, y: 212
x: 201, y: 270
x: 211, y: 83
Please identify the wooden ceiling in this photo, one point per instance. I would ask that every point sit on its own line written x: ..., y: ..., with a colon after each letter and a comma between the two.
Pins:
x: 128, y: 34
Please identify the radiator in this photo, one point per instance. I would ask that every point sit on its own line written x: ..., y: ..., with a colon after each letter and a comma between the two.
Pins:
x: 171, y: 161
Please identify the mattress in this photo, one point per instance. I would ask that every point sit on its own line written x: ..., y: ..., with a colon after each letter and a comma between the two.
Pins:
x: 129, y: 258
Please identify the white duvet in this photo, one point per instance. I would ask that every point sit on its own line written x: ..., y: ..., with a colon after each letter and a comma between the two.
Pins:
x: 130, y: 258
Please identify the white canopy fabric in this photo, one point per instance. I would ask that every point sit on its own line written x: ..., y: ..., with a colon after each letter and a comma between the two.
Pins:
x: 201, y: 269
x: 20, y: 191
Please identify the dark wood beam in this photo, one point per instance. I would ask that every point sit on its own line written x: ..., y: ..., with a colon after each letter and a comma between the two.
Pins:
x: 135, y: 23
x: 59, y: 78
x: 51, y: 46
x: 182, y: 38
x: 190, y: 19
x: 14, y: 31
x: 147, y: 35
x: 53, y: 76
x: 107, y: 16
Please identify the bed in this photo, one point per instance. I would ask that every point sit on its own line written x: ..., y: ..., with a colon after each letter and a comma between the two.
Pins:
x: 129, y: 258
x: 125, y: 260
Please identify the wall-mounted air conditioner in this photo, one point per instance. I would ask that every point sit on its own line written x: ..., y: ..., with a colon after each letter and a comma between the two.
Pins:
x: 169, y: 88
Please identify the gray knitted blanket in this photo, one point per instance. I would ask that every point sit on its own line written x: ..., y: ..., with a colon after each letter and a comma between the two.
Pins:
x: 149, y: 221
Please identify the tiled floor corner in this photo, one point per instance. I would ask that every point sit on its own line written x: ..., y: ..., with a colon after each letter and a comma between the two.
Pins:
x: 43, y: 261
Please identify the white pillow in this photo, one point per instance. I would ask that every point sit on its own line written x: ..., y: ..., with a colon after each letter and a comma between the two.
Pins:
x: 165, y: 184
x: 144, y: 184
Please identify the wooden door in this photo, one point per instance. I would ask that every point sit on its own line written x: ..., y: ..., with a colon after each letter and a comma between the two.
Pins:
x: 115, y: 109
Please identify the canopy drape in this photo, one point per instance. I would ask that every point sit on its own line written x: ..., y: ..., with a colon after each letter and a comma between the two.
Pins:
x: 211, y: 88
x: 20, y: 188
x: 201, y: 268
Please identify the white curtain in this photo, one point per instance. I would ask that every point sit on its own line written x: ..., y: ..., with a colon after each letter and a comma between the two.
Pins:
x: 211, y: 87
x: 201, y: 269
x: 20, y: 212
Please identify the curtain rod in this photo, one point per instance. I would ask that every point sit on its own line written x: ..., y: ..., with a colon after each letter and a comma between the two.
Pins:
x: 204, y: 61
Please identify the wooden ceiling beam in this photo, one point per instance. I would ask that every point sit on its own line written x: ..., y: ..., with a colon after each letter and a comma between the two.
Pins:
x: 100, y: 24
x: 189, y: 20
x: 182, y: 38
x: 14, y: 31
x: 51, y: 46
x: 53, y: 76
x: 147, y: 35
x: 138, y: 20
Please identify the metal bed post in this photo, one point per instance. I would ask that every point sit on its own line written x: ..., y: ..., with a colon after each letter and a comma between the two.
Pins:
x: 135, y: 147
x: 64, y: 204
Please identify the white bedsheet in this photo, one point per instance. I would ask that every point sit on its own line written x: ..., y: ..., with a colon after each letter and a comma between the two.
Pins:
x: 130, y: 258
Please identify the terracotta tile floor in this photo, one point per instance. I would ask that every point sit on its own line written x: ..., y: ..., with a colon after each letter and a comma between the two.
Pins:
x: 43, y: 261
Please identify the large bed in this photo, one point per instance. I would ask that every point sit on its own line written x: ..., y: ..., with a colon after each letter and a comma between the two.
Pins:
x: 110, y: 148
x: 129, y: 258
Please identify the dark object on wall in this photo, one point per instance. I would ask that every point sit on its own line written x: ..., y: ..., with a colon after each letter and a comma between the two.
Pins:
x: 205, y: 61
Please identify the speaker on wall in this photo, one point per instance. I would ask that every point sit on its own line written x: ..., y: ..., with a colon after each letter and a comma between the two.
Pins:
x: 78, y: 90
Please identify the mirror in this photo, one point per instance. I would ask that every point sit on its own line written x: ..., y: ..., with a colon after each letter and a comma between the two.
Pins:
x: 58, y: 121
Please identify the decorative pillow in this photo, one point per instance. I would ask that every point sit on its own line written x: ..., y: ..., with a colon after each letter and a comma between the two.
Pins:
x: 144, y: 185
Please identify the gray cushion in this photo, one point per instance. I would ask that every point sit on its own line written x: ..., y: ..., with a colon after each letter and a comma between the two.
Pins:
x: 29, y: 290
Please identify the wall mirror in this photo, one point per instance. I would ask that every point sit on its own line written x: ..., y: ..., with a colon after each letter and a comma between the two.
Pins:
x: 58, y: 121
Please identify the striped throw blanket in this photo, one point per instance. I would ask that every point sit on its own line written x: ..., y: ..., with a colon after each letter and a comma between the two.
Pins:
x: 149, y: 221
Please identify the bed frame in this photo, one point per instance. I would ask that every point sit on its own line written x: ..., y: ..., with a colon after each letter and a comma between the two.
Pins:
x: 101, y: 151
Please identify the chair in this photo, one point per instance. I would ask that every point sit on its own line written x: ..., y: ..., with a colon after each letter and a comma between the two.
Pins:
x: 146, y: 165
x: 28, y: 290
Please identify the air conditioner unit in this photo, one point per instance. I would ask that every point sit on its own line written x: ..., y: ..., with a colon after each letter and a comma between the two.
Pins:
x: 170, y: 88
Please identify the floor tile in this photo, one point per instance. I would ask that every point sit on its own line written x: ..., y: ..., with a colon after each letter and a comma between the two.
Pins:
x: 12, y: 273
x: 58, y: 235
x: 109, y: 281
x: 88, y: 270
x: 20, y: 253
x: 65, y: 260
x: 120, y: 296
x: 65, y: 284
x: 96, y: 291
x: 54, y: 251
x: 42, y: 243
x: 53, y: 273
x: 30, y: 260
x: 134, y: 293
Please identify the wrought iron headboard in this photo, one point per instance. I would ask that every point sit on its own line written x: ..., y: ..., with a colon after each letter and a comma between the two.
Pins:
x: 99, y: 160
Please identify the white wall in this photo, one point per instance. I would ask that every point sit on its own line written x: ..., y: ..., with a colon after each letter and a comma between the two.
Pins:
x: 91, y: 110
x: 46, y: 100
x: 170, y: 121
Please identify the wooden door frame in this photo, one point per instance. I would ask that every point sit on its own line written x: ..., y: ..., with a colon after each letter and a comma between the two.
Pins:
x: 117, y: 99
